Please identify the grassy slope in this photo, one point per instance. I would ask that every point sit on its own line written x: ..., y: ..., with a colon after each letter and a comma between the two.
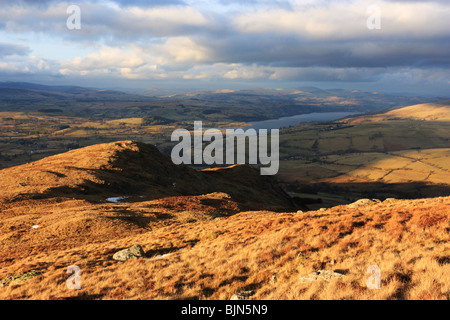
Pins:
x: 224, y: 249
x: 409, y: 144
x: 438, y: 111
x: 405, y: 239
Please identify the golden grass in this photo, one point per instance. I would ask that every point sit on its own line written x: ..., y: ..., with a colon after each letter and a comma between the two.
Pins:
x: 407, y: 240
x: 439, y: 111
x: 429, y: 166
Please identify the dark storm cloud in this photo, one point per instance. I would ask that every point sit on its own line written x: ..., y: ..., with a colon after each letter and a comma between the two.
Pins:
x: 292, y: 52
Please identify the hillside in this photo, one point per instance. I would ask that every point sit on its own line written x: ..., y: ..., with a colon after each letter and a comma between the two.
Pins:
x: 188, y: 254
x: 208, y: 105
x: 437, y: 111
x: 24, y: 91
x: 81, y: 207
x: 133, y: 169
x: 401, y: 153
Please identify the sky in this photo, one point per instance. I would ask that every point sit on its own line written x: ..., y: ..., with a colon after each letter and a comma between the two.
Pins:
x: 387, y: 46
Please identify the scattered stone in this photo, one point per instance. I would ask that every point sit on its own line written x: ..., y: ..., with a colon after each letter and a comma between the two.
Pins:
x: 363, y: 202
x: 299, y: 211
x: 17, y: 278
x: 273, y: 279
x: 321, y: 275
x: 132, y: 253
x: 322, y: 209
x: 301, y: 258
x: 242, y: 295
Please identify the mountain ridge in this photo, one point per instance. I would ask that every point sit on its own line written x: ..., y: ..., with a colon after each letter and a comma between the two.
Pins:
x: 130, y: 168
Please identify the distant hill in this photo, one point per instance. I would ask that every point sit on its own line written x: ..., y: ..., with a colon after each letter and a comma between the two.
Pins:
x: 436, y: 111
x: 242, y: 105
x: 13, y: 91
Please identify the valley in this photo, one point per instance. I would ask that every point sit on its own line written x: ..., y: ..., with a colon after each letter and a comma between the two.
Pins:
x: 398, y: 153
x: 223, y: 159
x: 371, y: 189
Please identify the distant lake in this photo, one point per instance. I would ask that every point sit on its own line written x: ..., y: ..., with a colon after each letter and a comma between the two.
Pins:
x: 295, y: 120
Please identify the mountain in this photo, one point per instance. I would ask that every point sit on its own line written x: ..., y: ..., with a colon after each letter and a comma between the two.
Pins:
x: 19, y: 91
x: 35, y: 86
x: 244, y: 105
x: 213, y: 233
x: 205, y: 234
x: 191, y: 255
x: 134, y: 169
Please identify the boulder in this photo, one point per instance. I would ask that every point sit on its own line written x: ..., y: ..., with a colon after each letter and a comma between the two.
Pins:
x: 132, y: 253
x: 242, y: 295
x: 17, y: 278
x: 363, y: 202
x: 273, y: 279
x: 321, y: 275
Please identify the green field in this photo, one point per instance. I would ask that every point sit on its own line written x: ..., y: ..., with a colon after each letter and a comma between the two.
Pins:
x: 339, y: 159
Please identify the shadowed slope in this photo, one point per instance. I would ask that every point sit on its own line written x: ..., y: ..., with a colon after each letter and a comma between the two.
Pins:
x: 66, y: 200
x: 130, y: 168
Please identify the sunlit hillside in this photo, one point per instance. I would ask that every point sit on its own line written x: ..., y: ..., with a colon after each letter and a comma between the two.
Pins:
x: 205, y: 245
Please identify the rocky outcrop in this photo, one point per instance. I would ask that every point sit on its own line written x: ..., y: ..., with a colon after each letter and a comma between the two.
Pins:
x: 132, y: 253
x: 321, y: 275
x: 16, y: 278
x: 126, y: 169
x: 242, y: 295
x: 363, y: 202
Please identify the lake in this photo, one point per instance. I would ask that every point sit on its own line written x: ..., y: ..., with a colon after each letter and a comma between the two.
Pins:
x: 295, y: 120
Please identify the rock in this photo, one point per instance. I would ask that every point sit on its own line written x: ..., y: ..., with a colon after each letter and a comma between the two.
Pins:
x: 132, y: 253
x: 363, y: 202
x: 321, y: 275
x: 17, y: 278
x: 299, y: 211
x: 273, y: 279
x: 242, y: 295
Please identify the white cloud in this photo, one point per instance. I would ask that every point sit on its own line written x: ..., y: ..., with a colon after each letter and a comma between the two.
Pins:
x: 26, y: 65
x: 313, y: 40
x: 338, y: 20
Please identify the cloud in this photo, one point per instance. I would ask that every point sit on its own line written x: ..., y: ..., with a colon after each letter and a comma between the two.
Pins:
x: 339, y: 20
x: 29, y: 65
x: 8, y: 49
x: 148, y: 3
x: 122, y: 3
x: 266, y: 40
